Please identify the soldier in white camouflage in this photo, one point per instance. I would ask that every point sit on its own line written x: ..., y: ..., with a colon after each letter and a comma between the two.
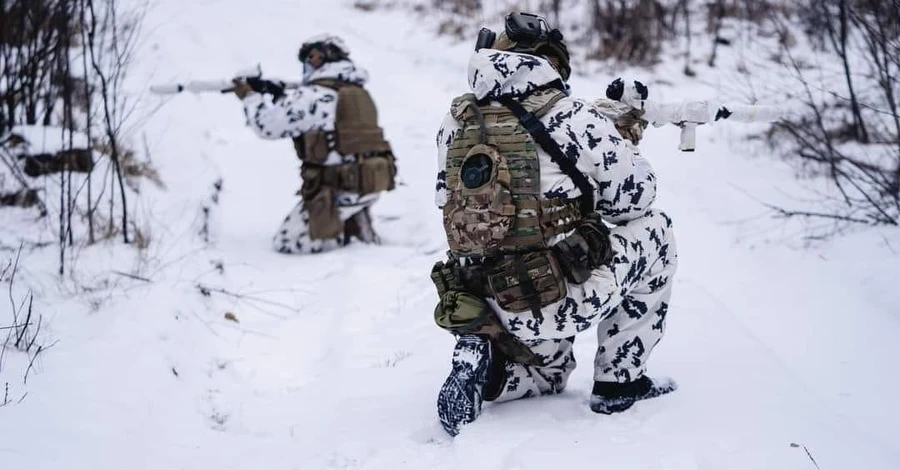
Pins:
x: 549, y: 219
x: 346, y: 162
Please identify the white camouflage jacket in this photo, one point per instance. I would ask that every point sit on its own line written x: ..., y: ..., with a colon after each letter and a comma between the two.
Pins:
x: 624, y: 183
x: 307, y: 108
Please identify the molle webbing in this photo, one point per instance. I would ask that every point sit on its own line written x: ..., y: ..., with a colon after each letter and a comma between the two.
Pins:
x: 356, y: 126
x: 368, y: 175
x: 536, y: 220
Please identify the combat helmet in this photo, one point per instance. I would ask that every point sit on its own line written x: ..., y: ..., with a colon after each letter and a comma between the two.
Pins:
x: 333, y: 48
x: 529, y: 34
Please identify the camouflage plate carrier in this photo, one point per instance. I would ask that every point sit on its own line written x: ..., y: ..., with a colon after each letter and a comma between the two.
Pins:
x: 356, y: 134
x: 497, y: 223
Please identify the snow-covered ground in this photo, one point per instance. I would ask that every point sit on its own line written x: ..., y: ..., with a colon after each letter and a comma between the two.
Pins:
x: 334, y: 361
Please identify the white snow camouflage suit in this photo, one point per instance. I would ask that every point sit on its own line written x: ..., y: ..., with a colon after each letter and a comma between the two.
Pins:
x: 308, y: 108
x: 626, y: 303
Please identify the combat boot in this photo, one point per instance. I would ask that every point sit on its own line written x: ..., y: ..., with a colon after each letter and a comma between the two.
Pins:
x: 460, y: 399
x: 360, y: 227
x: 613, y: 397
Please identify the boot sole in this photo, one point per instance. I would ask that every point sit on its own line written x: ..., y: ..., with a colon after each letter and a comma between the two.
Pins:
x: 459, y: 401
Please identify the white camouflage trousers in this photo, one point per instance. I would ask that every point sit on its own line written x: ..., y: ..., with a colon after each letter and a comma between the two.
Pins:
x: 628, y: 327
x: 293, y: 235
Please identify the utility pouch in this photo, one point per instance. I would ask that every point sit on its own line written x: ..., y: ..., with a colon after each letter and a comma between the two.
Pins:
x: 324, y: 218
x: 313, y: 146
x: 313, y: 178
x: 444, y: 277
x: 376, y: 174
x: 460, y: 312
x: 347, y: 177
x: 527, y: 281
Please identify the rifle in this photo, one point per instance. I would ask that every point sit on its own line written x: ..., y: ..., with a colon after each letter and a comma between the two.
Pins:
x: 686, y: 115
x: 251, y: 76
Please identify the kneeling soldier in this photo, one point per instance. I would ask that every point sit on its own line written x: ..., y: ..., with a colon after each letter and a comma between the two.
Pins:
x: 346, y: 162
x: 529, y: 179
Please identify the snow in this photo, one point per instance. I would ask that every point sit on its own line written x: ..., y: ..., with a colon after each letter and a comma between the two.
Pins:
x: 48, y: 139
x: 334, y: 361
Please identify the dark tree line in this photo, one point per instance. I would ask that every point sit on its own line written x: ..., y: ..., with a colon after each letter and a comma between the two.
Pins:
x: 63, y: 65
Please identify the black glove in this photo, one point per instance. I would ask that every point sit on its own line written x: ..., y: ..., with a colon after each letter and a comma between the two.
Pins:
x: 587, y: 249
x: 596, y: 233
x: 259, y: 85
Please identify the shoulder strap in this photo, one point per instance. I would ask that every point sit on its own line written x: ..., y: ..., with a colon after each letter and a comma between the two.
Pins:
x: 540, y: 134
x: 332, y: 83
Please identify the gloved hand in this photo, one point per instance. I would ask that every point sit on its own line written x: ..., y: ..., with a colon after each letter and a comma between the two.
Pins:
x: 259, y: 85
x: 596, y: 234
x: 587, y: 249
x: 631, y: 125
x: 241, y: 88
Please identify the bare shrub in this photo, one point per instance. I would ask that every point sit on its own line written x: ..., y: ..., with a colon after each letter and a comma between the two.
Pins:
x: 849, y: 128
x: 64, y: 64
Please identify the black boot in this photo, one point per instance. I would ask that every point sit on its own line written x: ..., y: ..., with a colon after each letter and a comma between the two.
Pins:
x: 459, y: 401
x: 613, y: 397
x: 360, y: 227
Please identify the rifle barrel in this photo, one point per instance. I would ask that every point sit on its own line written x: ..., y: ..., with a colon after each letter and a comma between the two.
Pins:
x: 203, y: 86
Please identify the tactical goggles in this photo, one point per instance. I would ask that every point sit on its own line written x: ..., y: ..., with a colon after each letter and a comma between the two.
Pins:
x: 525, y: 29
x: 306, y: 49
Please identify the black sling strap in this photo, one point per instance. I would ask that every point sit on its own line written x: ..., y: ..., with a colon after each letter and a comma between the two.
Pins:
x: 540, y: 135
x: 534, y: 298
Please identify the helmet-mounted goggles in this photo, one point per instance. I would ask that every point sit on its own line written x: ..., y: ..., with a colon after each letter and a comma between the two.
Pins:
x: 529, y: 34
x: 525, y: 29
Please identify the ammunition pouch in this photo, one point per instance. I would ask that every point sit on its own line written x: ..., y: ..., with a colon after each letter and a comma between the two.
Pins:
x: 526, y: 281
x: 372, y: 174
x: 376, y: 173
x: 324, y: 217
x: 314, y: 146
x: 462, y: 312
x: 585, y: 250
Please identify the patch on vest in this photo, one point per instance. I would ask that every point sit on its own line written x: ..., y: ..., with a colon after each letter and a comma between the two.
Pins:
x: 480, y: 213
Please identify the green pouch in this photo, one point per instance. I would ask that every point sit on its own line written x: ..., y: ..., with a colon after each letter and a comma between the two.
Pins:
x: 463, y: 313
x: 460, y: 312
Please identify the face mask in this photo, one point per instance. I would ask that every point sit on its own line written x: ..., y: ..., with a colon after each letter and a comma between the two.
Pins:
x: 308, y: 70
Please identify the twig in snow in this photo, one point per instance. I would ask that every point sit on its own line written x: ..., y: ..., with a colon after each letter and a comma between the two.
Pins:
x: 36, y: 331
x: 3, y: 273
x: 823, y: 215
x: 12, y: 278
x: 808, y: 454
x: 21, y: 334
x: 888, y: 244
x: 40, y: 349
x: 132, y: 276
x: 206, y: 291
x: 204, y: 323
